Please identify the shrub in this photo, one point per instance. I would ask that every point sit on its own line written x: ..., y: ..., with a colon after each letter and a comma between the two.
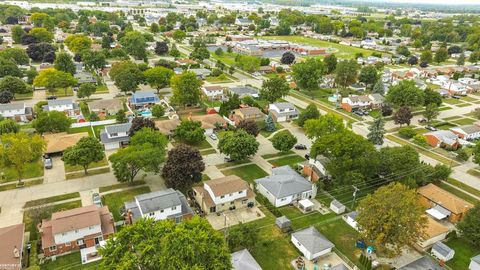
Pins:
x: 265, y: 202
x: 420, y: 140
x: 407, y: 132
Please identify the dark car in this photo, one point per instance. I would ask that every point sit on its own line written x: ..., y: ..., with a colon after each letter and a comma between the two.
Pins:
x: 456, y: 97
x: 51, y: 97
x: 300, y: 146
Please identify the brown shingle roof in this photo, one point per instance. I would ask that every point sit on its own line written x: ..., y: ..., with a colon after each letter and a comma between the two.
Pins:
x: 226, y: 185
x: 167, y: 126
x: 11, y: 237
x: 105, y: 104
x: 213, y: 88
x: 209, y: 120
x: 434, y: 228
x: 444, y: 198
x: 58, y: 142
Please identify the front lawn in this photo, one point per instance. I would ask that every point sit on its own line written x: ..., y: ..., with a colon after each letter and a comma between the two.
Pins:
x: 266, y: 133
x: 80, y: 174
x: 101, y: 163
x: 25, y: 96
x: 279, y: 154
x: 233, y: 163
x: 464, y: 121
x: 290, y: 160
x: 32, y: 170
x: 52, y: 199
x: 200, y: 146
x: 122, y: 185
x: 115, y: 201
x: 248, y: 172
x: 463, y: 252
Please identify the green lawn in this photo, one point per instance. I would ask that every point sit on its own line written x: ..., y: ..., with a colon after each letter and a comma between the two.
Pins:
x: 444, y: 125
x: 342, y: 51
x: 266, y: 133
x: 52, y: 199
x: 219, y: 79
x: 463, y: 252
x: 279, y: 154
x: 101, y: 89
x: 452, y: 101
x: 233, y: 163
x: 458, y: 193
x: 80, y: 130
x: 80, y: 174
x: 200, y: 146
x: 463, y: 186
x: 208, y: 152
x: 290, y: 160
x: 226, y: 57
x: 464, y: 121
x: 70, y: 261
x: 26, y: 184
x: 468, y: 98
x: 122, y: 185
x: 28, y: 95
x: 301, y: 220
x: 248, y: 172
x: 116, y: 200
x: 102, y: 163
x: 32, y: 170
x: 68, y: 92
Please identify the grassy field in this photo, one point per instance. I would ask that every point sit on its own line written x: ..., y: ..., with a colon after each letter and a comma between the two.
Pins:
x: 52, y: 199
x: 300, y: 220
x: 32, y: 170
x: 464, y: 121
x: 463, y: 186
x: 226, y: 57
x: 248, y: 172
x: 101, y: 163
x: 463, y: 252
x: 28, y: 95
x: 116, y: 200
x: 70, y: 261
x: 290, y: 160
x: 342, y: 51
x: 200, y: 146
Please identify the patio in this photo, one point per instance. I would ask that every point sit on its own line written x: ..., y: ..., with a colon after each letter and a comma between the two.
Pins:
x: 90, y: 254
x: 230, y: 218
x: 323, y: 262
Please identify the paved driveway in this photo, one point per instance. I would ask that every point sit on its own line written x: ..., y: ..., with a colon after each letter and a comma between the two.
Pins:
x: 56, y: 173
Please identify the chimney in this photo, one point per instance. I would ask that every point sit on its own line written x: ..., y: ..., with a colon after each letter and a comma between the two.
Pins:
x: 16, y: 252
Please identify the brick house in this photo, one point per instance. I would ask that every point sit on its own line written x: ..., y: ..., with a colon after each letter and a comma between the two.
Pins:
x: 442, y: 138
x: 352, y: 103
x: 76, y: 229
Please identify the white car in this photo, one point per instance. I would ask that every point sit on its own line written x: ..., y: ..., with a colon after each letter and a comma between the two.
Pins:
x: 213, y: 136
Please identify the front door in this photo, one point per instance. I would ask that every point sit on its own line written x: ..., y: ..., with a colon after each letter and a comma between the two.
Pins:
x: 213, y: 209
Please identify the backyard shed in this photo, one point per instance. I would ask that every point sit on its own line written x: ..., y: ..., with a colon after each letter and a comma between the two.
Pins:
x: 283, y: 223
x: 311, y: 243
x: 337, y: 207
x: 442, y: 252
x: 306, y: 205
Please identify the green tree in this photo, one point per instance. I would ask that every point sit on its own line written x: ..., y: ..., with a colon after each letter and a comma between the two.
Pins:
x: 200, y: 53
x: 283, y: 141
x: 249, y: 126
x: 18, y: 150
x: 432, y: 97
x: 402, y: 116
x: 330, y: 62
x: 158, y: 111
x: 470, y: 226
x: 63, y: 62
x: 17, y: 33
x: 121, y: 117
x: 183, y: 168
x: 179, y: 35
x: 86, y: 90
x: 274, y: 89
x: 476, y: 153
x: 53, y: 79
x: 346, y: 72
x: 461, y: 60
x: 431, y: 112
x: 238, y: 145
x: 405, y: 93
x: 247, y: 63
x: 135, y: 44
x: 174, y: 52
x: 78, y: 43
x: 441, y: 55
x: 379, y: 88
x: 85, y: 152
x: 186, y: 89
x: 158, y: 77
x: 269, y: 124
x: 41, y: 34
x: 377, y: 131
x: 382, y: 213
x: 127, y: 81
x: 311, y: 112
x: 242, y: 236
x: 190, y: 132
x: 308, y: 74
x: 8, y: 126
x: 13, y: 85
x: 17, y: 55
x: 368, y: 75
x: 154, y: 28
x: 323, y: 125
x: 51, y: 121
x: 426, y: 56
x: 191, y: 244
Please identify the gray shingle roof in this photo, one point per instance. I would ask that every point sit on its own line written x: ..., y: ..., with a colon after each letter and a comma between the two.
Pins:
x: 284, y: 181
x: 424, y: 263
x: 284, y: 105
x: 57, y: 102
x: 243, y: 260
x: 313, y: 240
x: 441, y: 248
x: 469, y: 129
x: 476, y: 259
x: 244, y: 90
x: 337, y: 204
x: 119, y: 128
x: 158, y: 200
x: 11, y: 106
x: 353, y: 215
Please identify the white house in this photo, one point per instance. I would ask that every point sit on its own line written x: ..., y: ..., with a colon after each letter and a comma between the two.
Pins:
x: 355, y: 102
x: 442, y: 252
x: 285, y: 186
x: 455, y: 88
x: 115, y: 136
x: 243, y: 22
x: 243, y: 260
x: 337, y: 207
x: 467, y: 132
x: 66, y: 106
x: 283, y: 111
x: 350, y: 218
x: 311, y: 243
x: 214, y: 92
x: 16, y: 111
x: 474, y: 263
x: 159, y: 205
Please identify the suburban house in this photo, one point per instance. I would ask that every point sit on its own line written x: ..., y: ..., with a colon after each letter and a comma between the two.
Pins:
x: 105, y: 107
x: 422, y: 263
x: 311, y: 243
x: 243, y: 260
x: 243, y: 21
x: 84, y: 77
x: 58, y: 142
x: 214, y: 92
x: 315, y: 168
x: 225, y: 193
x: 434, y: 232
x: 377, y: 100
x: 70, y: 108
x: 442, y: 252
x: 77, y: 228
x: 167, y: 127
x: 441, y: 138
x: 11, y: 249
x: 209, y: 121
x: 243, y: 91
x: 248, y: 113
x: 285, y: 186
x: 201, y: 73
x: 283, y: 111
x: 115, y: 136
x: 159, y: 205
x: 442, y: 204
x: 474, y: 263
x: 18, y: 112
x: 352, y: 103
x: 144, y: 98
x: 467, y: 132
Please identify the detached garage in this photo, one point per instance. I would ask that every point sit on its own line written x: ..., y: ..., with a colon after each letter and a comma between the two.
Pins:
x: 311, y: 243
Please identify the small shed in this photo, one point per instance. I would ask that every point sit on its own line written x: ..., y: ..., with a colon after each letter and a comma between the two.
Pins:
x: 306, y: 205
x: 311, y: 243
x: 442, y: 252
x: 283, y: 223
x: 337, y: 207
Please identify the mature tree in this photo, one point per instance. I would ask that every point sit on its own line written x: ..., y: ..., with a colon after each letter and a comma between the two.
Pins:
x: 368, y: 75
x: 17, y: 34
x: 392, y: 218
x: 274, y: 89
x: 426, y: 56
x: 18, y: 150
x: 149, y: 136
x: 403, y: 50
x: 311, y: 112
x: 346, y: 72
x: 64, y: 62
x: 432, y: 97
x: 135, y: 44
x: 51, y: 121
x: 307, y: 74
x: 287, y: 58
x: 247, y: 63
x: 413, y: 60
x: 402, y: 116
x: 93, y: 60
x: 238, y: 145
x: 461, y: 60
x: 233, y: 102
x: 6, y: 97
x: 191, y: 244
x: 121, y: 117
x: 330, y: 62
x: 402, y: 162
x: 242, y: 236
x: 139, y: 123
x: 186, y: 89
x: 405, y: 93
x: 161, y: 48
x: 17, y: 55
x: 200, y: 53
x: 41, y: 34
x: 9, y: 68
x: 127, y: 81
x: 9, y: 126
x: 85, y: 152
x: 13, y: 85
x: 129, y: 66
x: 183, y: 168
x: 78, y: 42
x: 431, y: 112
x: 283, y: 141
x: 174, y: 52
x: 283, y: 29
x: 379, y: 88
x: 190, y: 132
x: 476, y: 153
x: 249, y: 126
x: 179, y: 35
x: 154, y: 28
x: 269, y: 124
x: 158, y: 111
x: 53, y: 79
x: 158, y: 77
x: 377, y: 131
x: 86, y: 90
x: 323, y: 125
x: 441, y: 55
x: 470, y: 226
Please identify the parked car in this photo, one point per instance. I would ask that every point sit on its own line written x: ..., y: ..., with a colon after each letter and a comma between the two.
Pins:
x: 51, y: 97
x: 213, y: 136
x: 300, y: 146
x: 456, y: 97
x: 228, y: 159
x: 431, y: 128
x: 47, y: 163
x: 97, y: 200
x: 422, y: 120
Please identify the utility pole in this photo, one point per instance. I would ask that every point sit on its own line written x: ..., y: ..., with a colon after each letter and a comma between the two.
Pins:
x: 355, y: 190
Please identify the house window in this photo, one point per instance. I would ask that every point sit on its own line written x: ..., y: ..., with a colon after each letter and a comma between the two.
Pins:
x: 80, y: 242
x: 161, y: 211
x: 240, y: 192
x: 52, y: 248
x: 283, y: 199
x: 232, y: 203
x: 91, y: 227
x: 76, y: 231
x: 230, y: 195
x: 174, y: 208
x: 244, y: 201
x: 114, y: 134
x: 223, y: 196
x: 223, y: 204
x: 151, y: 214
x: 68, y: 244
x: 178, y: 219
